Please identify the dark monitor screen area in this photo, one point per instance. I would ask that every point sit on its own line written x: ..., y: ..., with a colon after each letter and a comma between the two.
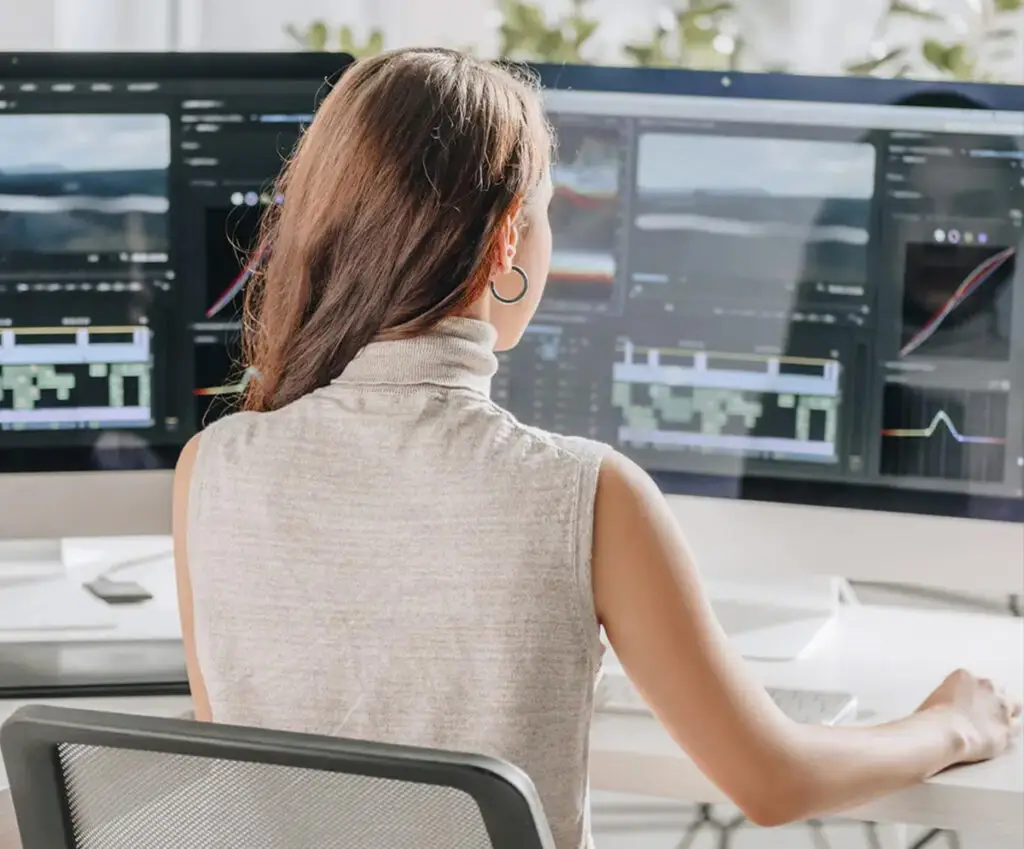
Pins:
x: 129, y: 195
x: 771, y: 289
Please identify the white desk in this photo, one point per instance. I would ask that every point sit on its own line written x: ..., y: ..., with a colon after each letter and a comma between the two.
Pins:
x: 890, y: 657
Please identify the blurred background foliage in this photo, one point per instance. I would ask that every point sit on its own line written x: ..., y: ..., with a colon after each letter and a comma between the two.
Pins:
x: 987, y: 36
x: 710, y: 34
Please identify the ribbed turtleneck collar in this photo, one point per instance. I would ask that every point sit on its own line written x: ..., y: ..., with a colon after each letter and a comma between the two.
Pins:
x: 458, y: 352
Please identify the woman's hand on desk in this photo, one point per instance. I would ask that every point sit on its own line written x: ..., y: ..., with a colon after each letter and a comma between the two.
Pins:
x: 987, y: 717
x: 649, y: 599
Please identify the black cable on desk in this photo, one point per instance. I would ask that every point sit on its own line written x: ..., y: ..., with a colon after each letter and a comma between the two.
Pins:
x: 96, y: 691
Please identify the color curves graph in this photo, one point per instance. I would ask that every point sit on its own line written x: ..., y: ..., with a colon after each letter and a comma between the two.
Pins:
x: 971, y: 283
x: 236, y: 388
x: 942, y: 418
x: 237, y: 285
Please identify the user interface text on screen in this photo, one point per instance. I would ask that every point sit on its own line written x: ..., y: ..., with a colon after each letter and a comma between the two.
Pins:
x: 797, y: 291
x: 807, y: 294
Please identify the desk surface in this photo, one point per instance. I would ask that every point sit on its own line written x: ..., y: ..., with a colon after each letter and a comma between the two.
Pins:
x: 890, y: 657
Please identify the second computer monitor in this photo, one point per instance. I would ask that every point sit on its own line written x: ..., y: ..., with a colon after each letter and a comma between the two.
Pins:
x: 129, y: 189
x: 762, y: 288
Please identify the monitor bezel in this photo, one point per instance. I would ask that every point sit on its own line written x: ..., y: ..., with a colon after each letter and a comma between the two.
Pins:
x: 665, y: 81
x: 173, y: 66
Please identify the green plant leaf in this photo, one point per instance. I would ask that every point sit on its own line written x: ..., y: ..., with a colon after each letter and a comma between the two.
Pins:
x: 1008, y: 5
x: 935, y: 54
x: 375, y: 43
x: 709, y: 7
x: 318, y: 34
x: 651, y: 53
x: 585, y: 31
x: 550, y: 46
x: 695, y: 36
x: 870, y: 66
x: 960, y: 62
x: 900, y: 7
x: 526, y: 33
x: 312, y: 37
x: 639, y: 54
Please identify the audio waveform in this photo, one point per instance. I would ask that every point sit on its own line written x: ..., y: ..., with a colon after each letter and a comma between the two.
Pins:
x: 983, y: 272
x: 236, y: 388
x: 941, y: 418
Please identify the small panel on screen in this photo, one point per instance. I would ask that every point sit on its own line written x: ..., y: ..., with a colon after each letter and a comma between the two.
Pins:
x: 231, y: 235
x: 753, y: 208
x: 584, y: 213
x: 956, y: 436
x: 958, y: 298
x: 672, y: 399
x: 84, y: 215
x: 79, y: 184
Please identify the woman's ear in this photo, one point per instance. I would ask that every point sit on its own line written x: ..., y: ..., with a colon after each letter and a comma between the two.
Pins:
x: 508, y: 240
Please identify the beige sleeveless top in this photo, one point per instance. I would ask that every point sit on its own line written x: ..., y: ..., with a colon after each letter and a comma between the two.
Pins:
x: 394, y: 557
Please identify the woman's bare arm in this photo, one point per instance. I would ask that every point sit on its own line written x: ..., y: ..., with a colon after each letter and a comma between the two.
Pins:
x: 665, y: 634
x: 182, y: 485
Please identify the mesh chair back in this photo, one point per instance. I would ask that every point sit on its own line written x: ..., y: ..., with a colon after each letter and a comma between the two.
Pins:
x: 85, y: 780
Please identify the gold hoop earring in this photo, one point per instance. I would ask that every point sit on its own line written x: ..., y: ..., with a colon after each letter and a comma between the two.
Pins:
x: 522, y: 293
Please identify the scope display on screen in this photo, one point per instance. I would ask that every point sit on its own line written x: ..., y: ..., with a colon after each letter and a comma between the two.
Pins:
x: 811, y: 294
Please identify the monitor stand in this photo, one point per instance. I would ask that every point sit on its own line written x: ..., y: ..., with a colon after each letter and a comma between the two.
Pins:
x: 38, y: 596
x: 782, y: 619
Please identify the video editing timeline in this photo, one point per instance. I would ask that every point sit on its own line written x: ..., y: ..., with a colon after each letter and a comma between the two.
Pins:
x: 773, y: 406
x: 796, y: 301
x: 66, y: 377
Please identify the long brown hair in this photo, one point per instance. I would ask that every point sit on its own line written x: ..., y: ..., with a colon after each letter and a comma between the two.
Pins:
x: 391, y: 204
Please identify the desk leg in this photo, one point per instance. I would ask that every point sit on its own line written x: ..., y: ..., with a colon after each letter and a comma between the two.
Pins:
x: 892, y: 836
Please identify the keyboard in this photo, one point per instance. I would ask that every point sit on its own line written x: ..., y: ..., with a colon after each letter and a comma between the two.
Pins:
x: 616, y: 695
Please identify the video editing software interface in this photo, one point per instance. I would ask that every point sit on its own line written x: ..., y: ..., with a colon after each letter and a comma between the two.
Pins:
x: 811, y: 291
x: 127, y: 210
x: 804, y: 291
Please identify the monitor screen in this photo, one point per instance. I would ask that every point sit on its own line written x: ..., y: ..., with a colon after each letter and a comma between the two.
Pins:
x: 128, y: 201
x: 760, y: 287
x: 816, y: 302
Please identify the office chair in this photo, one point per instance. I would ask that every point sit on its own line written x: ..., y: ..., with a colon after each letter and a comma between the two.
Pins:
x: 88, y: 780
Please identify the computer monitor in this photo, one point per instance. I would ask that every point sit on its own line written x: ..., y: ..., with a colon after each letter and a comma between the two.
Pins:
x: 797, y: 302
x: 129, y: 185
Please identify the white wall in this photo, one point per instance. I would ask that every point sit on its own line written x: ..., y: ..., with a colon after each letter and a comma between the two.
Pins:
x: 112, y: 25
x: 26, y: 25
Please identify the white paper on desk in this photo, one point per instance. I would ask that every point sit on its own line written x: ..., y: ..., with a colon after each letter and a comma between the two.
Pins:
x: 59, y: 605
